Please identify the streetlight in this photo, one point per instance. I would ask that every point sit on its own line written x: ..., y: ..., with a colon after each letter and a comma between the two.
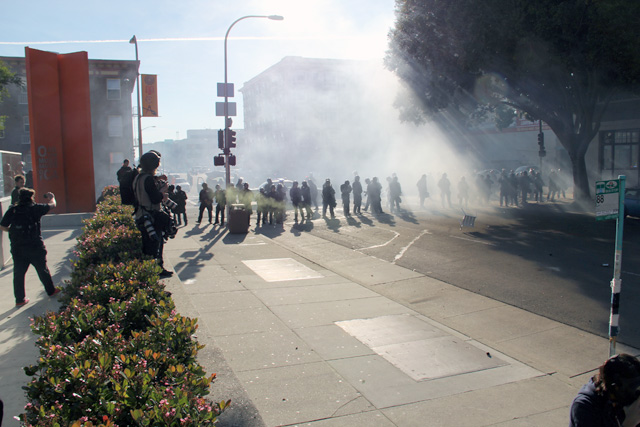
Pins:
x: 134, y: 41
x: 226, y: 93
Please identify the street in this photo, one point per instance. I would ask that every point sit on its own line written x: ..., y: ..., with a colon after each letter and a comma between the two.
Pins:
x: 542, y: 258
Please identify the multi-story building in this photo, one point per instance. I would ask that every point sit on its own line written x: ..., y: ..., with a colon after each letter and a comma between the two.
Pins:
x: 111, y: 85
x: 309, y: 115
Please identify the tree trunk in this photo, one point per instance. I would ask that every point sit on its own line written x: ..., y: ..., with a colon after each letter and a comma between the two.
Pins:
x: 581, y: 190
x: 576, y: 146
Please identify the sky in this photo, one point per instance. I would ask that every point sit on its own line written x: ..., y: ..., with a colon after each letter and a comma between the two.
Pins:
x: 183, y: 43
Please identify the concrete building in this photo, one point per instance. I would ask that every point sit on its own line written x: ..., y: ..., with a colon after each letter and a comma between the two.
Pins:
x: 111, y: 85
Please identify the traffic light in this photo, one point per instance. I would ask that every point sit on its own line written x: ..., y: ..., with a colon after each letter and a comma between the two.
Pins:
x: 221, y: 139
x: 541, y: 140
x: 218, y: 160
x: 232, y: 160
x: 230, y: 137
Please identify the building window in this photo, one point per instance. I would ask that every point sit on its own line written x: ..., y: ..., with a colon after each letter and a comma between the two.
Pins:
x: 114, y: 126
x: 113, y: 89
x: 24, y: 98
x: 25, y: 123
x: 26, y: 139
x: 620, y: 150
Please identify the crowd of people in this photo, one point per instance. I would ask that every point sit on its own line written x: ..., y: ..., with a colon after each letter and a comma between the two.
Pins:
x: 272, y: 199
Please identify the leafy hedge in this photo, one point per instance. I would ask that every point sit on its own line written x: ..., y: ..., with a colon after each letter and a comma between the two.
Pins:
x: 117, y: 353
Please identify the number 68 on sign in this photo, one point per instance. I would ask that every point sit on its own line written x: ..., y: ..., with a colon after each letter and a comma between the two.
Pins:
x: 607, y: 199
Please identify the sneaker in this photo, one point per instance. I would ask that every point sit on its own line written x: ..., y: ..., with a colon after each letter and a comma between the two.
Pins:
x: 165, y: 274
x: 23, y: 303
x: 56, y: 292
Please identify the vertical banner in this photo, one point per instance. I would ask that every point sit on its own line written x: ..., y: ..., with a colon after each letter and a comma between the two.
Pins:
x: 149, y: 88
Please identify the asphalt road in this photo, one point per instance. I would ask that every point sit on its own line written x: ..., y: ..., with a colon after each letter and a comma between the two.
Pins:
x: 545, y: 258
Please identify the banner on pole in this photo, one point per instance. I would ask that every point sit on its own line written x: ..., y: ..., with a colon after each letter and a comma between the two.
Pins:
x: 149, y: 88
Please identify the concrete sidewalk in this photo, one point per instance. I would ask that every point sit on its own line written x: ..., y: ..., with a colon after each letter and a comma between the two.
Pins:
x: 302, y: 331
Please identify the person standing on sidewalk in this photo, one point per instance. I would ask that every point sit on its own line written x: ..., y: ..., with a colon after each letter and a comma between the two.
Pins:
x: 15, y: 194
x: 610, y: 398
x: 221, y: 203
x: 22, y: 222
x: 151, y: 193
x: 206, y: 202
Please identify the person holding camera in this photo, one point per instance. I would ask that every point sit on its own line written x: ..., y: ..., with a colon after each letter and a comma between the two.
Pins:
x: 22, y: 221
x: 150, y: 194
x: 610, y: 398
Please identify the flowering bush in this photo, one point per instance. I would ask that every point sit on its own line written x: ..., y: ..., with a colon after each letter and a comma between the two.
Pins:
x: 117, y: 354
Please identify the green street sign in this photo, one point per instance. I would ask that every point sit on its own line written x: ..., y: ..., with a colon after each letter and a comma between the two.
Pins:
x: 607, y: 199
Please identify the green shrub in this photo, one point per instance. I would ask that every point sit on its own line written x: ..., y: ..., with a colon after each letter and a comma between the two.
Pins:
x: 117, y: 353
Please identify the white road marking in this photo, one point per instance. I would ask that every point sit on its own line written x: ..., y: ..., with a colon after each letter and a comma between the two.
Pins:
x: 403, y: 250
x: 383, y: 244
x: 473, y: 240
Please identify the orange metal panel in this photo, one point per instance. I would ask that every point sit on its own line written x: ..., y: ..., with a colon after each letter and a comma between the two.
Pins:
x: 45, y: 127
x: 77, y: 142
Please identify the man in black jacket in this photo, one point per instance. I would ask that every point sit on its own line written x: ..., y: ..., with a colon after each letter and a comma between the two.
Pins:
x: 22, y: 221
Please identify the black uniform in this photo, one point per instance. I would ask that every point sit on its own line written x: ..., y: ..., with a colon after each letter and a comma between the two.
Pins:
x: 27, y: 246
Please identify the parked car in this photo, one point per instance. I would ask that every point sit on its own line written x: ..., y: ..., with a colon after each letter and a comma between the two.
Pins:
x: 632, y: 202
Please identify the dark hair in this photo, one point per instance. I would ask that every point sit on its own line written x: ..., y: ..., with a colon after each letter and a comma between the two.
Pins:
x: 620, y: 377
x: 17, y: 177
x: 150, y: 161
x: 25, y: 196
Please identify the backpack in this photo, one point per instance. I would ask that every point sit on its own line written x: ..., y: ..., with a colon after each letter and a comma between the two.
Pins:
x: 127, y: 195
x: 25, y: 228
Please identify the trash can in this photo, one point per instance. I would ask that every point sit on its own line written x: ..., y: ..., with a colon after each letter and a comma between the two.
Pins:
x: 238, y: 219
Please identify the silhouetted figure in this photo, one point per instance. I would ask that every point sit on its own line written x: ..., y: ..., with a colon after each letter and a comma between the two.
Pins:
x: 180, y: 197
x: 395, y: 191
x: 367, y: 183
x: 374, y: 189
x: 296, y: 201
x: 261, y: 201
x: 445, y: 189
x: 524, y: 183
x: 328, y: 199
x: 313, y: 188
x: 305, y: 194
x: 220, y: 197
x: 246, y: 198
x: 463, y: 192
x: 553, y: 185
x: 206, y: 202
x: 357, y: 195
x: 124, y: 170
x: 345, y: 191
x: 423, y: 192
x: 538, y: 185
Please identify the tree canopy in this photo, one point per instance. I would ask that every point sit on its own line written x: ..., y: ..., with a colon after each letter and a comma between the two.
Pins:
x: 558, y: 61
x: 7, y: 78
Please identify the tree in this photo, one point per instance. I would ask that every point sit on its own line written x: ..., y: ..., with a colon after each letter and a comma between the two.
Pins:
x: 558, y: 61
x: 7, y: 78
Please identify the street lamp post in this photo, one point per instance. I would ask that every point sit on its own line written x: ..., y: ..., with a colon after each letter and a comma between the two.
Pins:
x: 134, y: 41
x: 227, y: 151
